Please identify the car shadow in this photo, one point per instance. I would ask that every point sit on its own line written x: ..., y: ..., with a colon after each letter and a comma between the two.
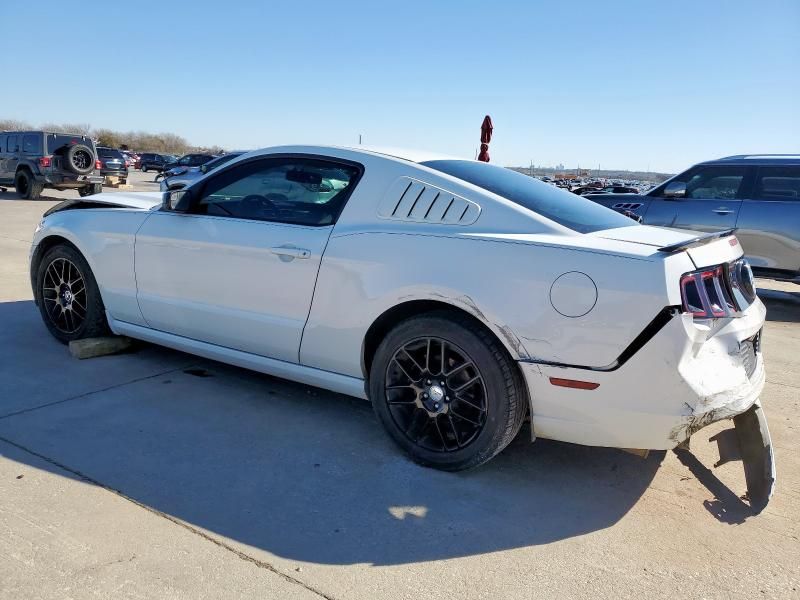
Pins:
x: 11, y: 194
x: 782, y: 306
x: 296, y: 471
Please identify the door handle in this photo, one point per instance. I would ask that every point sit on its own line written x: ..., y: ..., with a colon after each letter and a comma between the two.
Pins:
x: 290, y: 252
x: 723, y: 210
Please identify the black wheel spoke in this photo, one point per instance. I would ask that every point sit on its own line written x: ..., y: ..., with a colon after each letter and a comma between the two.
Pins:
x: 443, y: 409
x: 413, y: 360
x: 439, y: 431
x: 403, y: 369
x: 428, y: 355
x: 454, y: 429
x: 463, y: 418
x: 459, y: 368
x: 468, y: 383
x: 467, y: 402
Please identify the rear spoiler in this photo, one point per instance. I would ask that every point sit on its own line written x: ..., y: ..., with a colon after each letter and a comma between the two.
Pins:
x: 697, y: 241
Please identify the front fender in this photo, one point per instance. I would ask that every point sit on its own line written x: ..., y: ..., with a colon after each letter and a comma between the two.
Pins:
x: 105, y: 238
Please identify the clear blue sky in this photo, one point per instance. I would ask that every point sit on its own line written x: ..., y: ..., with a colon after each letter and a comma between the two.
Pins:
x: 622, y: 84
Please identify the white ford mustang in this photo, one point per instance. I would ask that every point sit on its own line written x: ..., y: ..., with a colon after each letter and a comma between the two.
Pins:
x: 459, y: 297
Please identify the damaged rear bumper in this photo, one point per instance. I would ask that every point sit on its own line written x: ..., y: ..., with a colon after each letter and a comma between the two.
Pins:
x: 750, y: 442
x: 688, y: 376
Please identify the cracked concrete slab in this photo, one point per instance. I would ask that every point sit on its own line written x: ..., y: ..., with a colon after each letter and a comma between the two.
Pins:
x: 61, y: 537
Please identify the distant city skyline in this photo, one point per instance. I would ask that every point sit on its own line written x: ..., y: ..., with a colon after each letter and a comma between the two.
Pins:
x: 638, y: 86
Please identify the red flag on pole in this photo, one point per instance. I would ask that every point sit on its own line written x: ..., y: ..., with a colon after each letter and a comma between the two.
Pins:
x: 486, y: 137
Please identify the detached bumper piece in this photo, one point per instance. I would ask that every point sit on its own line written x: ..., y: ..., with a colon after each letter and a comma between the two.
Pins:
x: 750, y: 442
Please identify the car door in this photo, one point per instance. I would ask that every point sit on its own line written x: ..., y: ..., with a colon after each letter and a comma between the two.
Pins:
x: 238, y: 269
x: 712, y: 201
x: 3, y: 154
x: 769, y: 222
x: 12, y: 155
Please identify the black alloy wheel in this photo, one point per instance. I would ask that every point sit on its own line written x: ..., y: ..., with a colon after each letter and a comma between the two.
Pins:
x: 446, y: 390
x: 68, y: 297
x: 436, y: 394
x: 64, y: 295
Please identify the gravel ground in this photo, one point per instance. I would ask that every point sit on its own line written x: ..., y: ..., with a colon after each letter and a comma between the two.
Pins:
x: 156, y: 474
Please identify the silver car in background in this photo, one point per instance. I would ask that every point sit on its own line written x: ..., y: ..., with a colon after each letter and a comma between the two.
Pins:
x: 181, y: 177
x: 757, y: 194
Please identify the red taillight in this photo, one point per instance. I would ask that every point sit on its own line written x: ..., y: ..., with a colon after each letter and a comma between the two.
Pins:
x: 706, y: 294
x: 45, y: 161
x: 98, y: 164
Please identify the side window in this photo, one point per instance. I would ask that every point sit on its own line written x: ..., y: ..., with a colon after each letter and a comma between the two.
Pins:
x: 32, y: 144
x: 778, y: 183
x: 3, y: 142
x: 286, y: 190
x: 721, y: 183
x: 13, y: 143
x: 186, y: 160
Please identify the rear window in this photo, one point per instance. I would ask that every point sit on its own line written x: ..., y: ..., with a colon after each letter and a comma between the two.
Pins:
x: 32, y: 143
x: 57, y: 141
x: 778, y: 183
x: 109, y: 153
x: 565, y: 208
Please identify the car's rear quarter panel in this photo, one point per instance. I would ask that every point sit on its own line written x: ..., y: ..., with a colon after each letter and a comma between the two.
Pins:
x: 504, y: 284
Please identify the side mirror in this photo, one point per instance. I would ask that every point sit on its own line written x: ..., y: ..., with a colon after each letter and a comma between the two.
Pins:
x: 203, y: 169
x: 176, y: 200
x: 676, y: 189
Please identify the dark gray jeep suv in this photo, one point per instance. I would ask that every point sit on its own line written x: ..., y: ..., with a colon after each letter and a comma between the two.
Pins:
x: 34, y: 160
x: 756, y: 194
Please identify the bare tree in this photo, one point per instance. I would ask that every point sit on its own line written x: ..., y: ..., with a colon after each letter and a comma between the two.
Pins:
x: 14, y: 125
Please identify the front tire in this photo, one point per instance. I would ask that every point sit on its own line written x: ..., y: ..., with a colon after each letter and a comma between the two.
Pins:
x: 447, y: 392
x: 68, y: 296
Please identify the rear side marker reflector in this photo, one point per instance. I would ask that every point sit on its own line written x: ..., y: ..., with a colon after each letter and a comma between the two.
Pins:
x: 574, y: 383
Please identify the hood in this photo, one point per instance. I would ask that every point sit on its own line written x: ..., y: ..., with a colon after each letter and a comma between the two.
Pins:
x: 142, y: 200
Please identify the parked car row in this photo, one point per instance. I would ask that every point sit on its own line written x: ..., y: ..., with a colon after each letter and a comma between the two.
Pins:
x: 179, y: 177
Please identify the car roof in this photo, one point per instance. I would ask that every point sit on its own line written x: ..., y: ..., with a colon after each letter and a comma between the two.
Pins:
x: 415, y: 156
x: 756, y: 159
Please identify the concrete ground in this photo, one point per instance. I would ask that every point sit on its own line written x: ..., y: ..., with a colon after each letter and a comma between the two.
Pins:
x: 155, y: 474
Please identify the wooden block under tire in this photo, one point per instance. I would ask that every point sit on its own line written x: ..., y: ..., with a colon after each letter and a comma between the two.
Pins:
x: 99, y: 346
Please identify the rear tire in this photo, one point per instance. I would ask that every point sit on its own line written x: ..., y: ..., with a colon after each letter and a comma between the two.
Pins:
x: 27, y: 187
x: 68, y: 297
x: 427, y: 410
x: 91, y: 190
x: 144, y: 169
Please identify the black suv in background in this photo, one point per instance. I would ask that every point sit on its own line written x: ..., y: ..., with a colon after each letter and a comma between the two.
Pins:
x: 34, y: 160
x: 149, y: 161
x: 112, y: 163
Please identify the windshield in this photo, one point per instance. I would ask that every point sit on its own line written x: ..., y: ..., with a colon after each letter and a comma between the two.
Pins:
x: 108, y: 153
x: 565, y: 208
